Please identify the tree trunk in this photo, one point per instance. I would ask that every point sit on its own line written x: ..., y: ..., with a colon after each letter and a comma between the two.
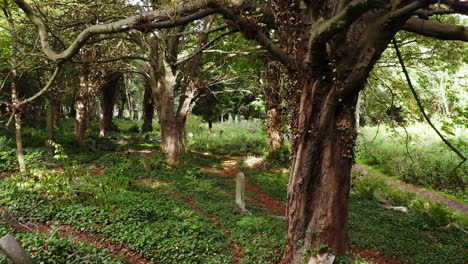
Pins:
x: 50, y: 126
x: 109, y: 92
x: 324, y: 84
x: 80, y: 120
x: 16, y: 109
x: 273, y: 123
x: 148, y: 109
x: 90, y: 82
x: 318, y: 188
x: 210, y: 125
x: 273, y: 107
x: 173, y: 133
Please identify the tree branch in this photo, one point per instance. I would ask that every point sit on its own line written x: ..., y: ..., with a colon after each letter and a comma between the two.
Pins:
x: 323, y: 30
x: 112, y: 59
x: 43, y: 90
x: 163, y: 15
x: 201, y: 49
x: 436, y: 29
x: 256, y: 33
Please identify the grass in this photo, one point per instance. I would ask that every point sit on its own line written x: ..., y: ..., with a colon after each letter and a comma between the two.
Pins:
x: 418, y: 157
x: 227, y: 138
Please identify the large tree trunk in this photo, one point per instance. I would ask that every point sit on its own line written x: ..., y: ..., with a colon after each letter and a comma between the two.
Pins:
x: 318, y: 188
x: 273, y: 107
x: 324, y: 87
x: 109, y: 93
x: 148, y: 108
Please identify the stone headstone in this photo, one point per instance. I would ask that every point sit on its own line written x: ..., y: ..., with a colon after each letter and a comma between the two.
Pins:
x: 229, y: 118
x: 146, y: 162
x: 14, y: 251
x: 240, y: 190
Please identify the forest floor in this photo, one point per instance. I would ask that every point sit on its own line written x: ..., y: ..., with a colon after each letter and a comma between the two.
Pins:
x: 230, y: 170
x: 256, y: 198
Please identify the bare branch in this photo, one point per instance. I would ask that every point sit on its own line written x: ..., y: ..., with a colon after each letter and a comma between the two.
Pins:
x: 113, y: 59
x: 207, y: 45
x: 436, y: 29
x: 197, y: 32
x: 43, y: 90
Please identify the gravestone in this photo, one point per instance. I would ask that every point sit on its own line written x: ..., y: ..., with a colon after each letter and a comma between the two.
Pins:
x: 146, y: 162
x: 14, y: 251
x: 240, y: 190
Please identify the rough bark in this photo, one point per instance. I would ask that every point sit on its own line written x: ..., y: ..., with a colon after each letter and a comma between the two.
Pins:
x: 90, y: 81
x: 273, y: 108
x: 109, y: 93
x: 148, y: 108
x: 324, y: 88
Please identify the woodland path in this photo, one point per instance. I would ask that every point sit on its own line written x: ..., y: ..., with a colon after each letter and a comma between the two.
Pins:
x: 404, y: 186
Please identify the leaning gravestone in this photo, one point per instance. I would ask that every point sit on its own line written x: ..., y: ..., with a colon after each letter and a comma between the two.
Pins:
x: 240, y: 190
x: 14, y: 251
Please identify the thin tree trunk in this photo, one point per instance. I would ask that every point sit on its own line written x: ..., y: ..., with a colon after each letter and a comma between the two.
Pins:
x: 14, y: 89
x: 50, y: 126
x: 210, y: 125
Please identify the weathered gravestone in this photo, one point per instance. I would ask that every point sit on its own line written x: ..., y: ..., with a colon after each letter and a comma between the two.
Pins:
x: 14, y: 251
x: 240, y: 190
x: 146, y: 162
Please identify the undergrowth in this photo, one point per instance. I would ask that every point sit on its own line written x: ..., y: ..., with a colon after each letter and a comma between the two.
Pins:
x: 418, y: 157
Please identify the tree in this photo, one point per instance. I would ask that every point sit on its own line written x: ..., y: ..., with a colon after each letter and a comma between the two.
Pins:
x: 274, y: 110
x: 329, y: 48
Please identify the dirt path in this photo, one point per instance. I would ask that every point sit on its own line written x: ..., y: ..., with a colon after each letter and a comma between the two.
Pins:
x: 279, y: 207
x: 265, y: 201
x: 68, y: 232
x: 451, y: 204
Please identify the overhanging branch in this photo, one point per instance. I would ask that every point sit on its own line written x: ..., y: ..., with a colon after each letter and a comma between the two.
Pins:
x: 436, y: 29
